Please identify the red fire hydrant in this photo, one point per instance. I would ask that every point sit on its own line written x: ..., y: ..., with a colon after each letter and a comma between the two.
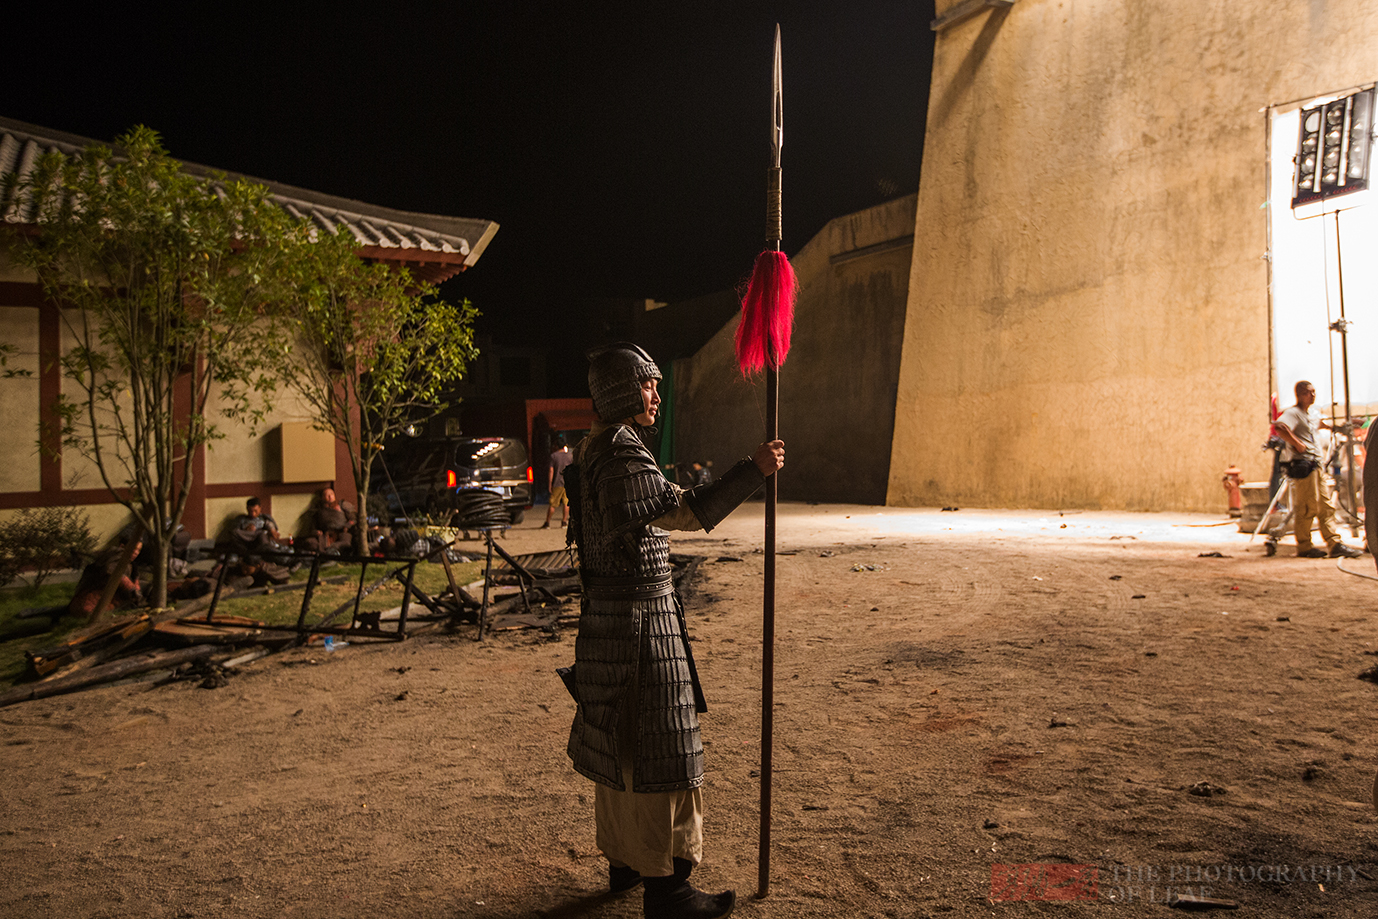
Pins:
x: 1232, y: 479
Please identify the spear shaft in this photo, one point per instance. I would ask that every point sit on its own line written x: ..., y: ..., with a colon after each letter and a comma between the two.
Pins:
x: 768, y: 639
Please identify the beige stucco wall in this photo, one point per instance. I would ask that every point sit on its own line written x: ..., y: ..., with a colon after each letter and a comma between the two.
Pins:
x: 104, y: 520
x: 19, y: 458
x: 837, y: 388
x: 293, y: 513
x: 250, y: 452
x: 79, y: 468
x: 10, y: 270
x: 1088, y: 316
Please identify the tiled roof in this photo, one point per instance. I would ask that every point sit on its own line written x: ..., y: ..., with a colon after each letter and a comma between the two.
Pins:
x: 447, y: 245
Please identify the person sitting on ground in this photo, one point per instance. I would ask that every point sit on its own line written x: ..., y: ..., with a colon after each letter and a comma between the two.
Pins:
x: 95, y: 577
x: 255, y: 533
x: 334, y: 525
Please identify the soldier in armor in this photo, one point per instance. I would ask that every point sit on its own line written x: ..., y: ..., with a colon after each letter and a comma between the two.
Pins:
x: 636, y: 729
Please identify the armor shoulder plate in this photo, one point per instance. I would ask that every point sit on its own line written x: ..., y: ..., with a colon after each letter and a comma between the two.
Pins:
x: 628, y: 486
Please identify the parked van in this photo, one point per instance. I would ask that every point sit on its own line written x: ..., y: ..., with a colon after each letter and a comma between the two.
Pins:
x: 421, y: 476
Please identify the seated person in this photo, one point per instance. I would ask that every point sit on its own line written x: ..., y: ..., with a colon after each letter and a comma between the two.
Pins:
x: 255, y: 533
x: 96, y: 575
x: 334, y: 525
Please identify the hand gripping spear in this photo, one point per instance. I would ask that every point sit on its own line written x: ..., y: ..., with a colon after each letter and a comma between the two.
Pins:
x: 763, y: 342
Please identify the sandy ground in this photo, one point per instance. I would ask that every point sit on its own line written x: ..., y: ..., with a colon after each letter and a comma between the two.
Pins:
x: 955, y: 692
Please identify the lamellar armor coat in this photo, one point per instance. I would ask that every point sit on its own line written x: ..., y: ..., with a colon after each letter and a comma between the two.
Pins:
x: 632, y: 654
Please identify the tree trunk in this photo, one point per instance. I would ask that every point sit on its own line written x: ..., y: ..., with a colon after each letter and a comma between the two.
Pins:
x: 361, y: 519
x: 157, y: 596
x: 365, y: 462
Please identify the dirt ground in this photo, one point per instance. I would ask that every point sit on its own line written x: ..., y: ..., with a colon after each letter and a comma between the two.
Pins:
x: 955, y: 692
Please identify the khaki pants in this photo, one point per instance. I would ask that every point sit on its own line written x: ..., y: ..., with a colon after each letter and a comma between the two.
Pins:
x: 1311, y: 502
x: 646, y: 831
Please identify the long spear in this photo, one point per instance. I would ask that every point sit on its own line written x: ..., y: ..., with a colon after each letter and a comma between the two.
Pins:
x: 762, y: 343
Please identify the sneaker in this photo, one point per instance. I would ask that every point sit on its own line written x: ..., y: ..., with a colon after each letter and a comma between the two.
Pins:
x: 1270, y: 547
x: 1340, y: 550
x: 546, y: 525
x: 1311, y: 552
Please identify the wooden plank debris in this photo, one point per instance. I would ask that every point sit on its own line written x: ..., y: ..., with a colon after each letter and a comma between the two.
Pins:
x: 129, y: 666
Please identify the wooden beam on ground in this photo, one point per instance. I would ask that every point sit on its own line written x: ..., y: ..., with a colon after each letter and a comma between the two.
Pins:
x: 106, y: 673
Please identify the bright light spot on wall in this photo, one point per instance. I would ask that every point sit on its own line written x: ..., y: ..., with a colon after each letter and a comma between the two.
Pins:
x: 1311, y: 248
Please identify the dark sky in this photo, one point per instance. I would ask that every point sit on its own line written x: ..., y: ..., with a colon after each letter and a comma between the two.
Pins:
x: 621, y: 147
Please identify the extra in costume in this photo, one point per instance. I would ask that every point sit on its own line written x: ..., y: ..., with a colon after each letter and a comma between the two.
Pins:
x: 636, y: 728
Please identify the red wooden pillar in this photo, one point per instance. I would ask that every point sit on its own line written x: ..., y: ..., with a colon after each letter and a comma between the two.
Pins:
x: 344, y: 466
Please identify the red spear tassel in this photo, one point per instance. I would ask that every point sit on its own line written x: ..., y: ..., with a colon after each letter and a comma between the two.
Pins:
x: 767, y: 314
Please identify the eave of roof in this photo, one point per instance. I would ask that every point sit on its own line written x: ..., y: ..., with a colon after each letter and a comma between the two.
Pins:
x: 435, y: 247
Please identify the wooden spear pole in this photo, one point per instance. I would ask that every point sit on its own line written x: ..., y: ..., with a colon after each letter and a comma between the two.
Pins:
x: 781, y: 278
x: 768, y: 637
x: 762, y: 344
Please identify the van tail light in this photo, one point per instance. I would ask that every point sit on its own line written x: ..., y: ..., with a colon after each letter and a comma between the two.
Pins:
x: 450, y: 480
x: 529, y: 477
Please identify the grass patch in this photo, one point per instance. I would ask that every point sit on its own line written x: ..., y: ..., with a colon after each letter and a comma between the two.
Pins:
x: 283, y: 607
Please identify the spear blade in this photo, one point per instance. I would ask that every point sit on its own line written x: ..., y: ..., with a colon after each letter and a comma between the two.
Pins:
x: 777, y: 141
x: 777, y: 106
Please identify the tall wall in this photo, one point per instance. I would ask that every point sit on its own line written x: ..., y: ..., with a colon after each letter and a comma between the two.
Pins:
x: 837, y: 388
x: 1088, y: 312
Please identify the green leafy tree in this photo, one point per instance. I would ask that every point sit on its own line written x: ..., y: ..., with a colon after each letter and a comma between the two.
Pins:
x: 373, y: 351
x: 164, y: 280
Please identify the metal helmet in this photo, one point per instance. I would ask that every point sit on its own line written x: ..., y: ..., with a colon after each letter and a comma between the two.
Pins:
x: 616, y: 372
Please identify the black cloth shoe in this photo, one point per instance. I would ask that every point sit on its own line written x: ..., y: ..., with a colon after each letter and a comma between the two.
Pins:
x: 546, y: 525
x: 1311, y: 552
x: 674, y: 897
x: 1340, y: 550
x: 621, y: 878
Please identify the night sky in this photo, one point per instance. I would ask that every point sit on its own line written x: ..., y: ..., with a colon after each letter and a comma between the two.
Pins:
x: 621, y: 147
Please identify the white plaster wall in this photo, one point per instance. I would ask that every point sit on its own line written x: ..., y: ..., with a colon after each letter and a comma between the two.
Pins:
x: 1088, y: 322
